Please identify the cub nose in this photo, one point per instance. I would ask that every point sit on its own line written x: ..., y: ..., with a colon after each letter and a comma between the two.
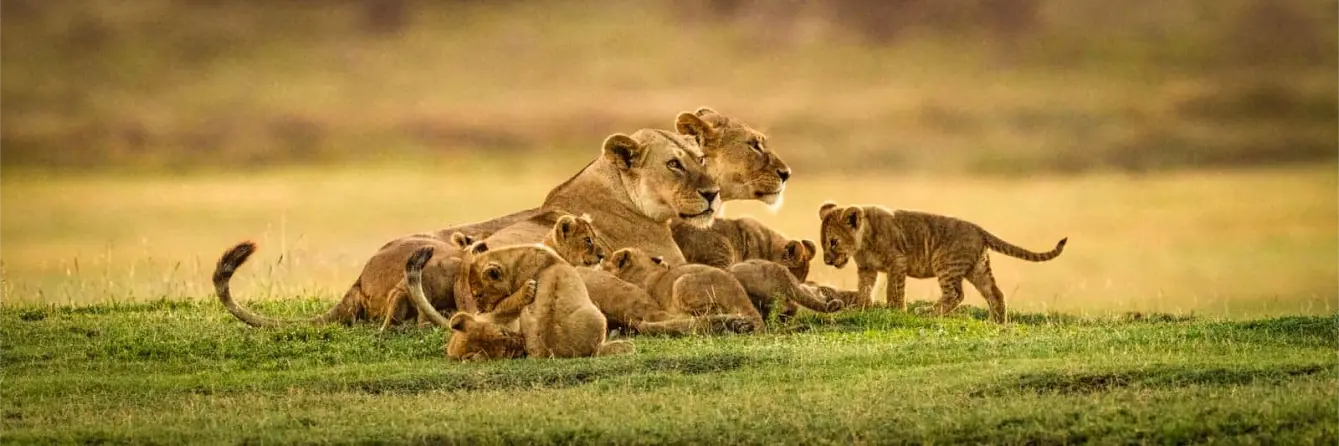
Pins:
x: 784, y: 174
x: 710, y: 196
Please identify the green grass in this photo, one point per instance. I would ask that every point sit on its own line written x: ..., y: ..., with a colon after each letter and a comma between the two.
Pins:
x: 185, y: 371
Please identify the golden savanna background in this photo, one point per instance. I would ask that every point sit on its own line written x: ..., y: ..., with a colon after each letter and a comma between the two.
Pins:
x: 1186, y: 147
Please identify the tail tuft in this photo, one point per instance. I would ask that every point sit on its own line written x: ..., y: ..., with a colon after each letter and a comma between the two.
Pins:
x: 1062, y: 243
x: 418, y: 259
x: 233, y: 259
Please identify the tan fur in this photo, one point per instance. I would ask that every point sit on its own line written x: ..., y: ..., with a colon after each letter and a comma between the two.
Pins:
x: 525, y: 289
x: 770, y: 266
x: 915, y: 244
x: 697, y: 290
x: 630, y: 308
x: 743, y: 170
x: 737, y: 156
x: 379, y: 292
x: 631, y: 191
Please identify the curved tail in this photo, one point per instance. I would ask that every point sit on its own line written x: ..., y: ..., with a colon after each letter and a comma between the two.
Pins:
x: 999, y: 245
x: 413, y: 272
x: 234, y: 258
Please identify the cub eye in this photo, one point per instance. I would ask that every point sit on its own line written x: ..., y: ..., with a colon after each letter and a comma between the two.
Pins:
x: 674, y: 165
x: 589, y: 244
x: 832, y: 243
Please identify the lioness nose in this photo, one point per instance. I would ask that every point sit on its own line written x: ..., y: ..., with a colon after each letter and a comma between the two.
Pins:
x: 784, y: 174
x: 709, y: 195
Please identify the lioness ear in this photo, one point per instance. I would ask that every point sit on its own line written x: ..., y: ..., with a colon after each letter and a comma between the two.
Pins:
x: 623, y: 151
x: 565, y: 225
x: 810, y: 248
x: 478, y: 247
x: 460, y: 240
x: 854, y: 216
x: 459, y: 321
x: 692, y: 125
x: 827, y: 207
x: 493, y: 271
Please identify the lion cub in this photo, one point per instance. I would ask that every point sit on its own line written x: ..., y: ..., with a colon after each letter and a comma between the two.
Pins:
x: 770, y: 266
x: 527, y: 290
x: 692, y: 289
x: 920, y: 245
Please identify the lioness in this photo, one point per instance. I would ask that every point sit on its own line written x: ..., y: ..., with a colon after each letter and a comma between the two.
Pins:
x: 526, y: 289
x: 736, y: 156
x: 698, y: 290
x: 920, y: 245
x: 770, y: 266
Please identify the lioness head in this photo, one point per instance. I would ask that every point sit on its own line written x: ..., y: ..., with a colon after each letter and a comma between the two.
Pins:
x: 664, y: 177
x: 494, y: 274
x: 575, y: 240
x: 633, y: 265
x: 736, y: 156
x: 840, y: 232
x: 796, y: 256
x: 475, y: 339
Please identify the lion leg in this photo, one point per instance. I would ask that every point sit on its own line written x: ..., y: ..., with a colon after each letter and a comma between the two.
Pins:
x: 950, y: 286
x: 984, y: 281
x: 510, y: 307
x: 711, y: 324
x: 397, y: 307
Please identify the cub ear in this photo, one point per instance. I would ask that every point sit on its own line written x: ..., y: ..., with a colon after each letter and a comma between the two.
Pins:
x: 693, y: 125
x: 460, y: 321
x: 826, y: 208
x: 478, y: 247
x: 704, y: 111
x: 565, y: 225
x: 493, y: 271
x: 854, y: 217
x: 460, y: 240
x: 622, y: 258
x: 810, y: 248
x: 623, y: 151
x: 794, y: 250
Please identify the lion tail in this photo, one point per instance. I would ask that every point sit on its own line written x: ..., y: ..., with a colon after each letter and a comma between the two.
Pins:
x: 234, y: 258
x: 999, y: 245
x: 413, y: 271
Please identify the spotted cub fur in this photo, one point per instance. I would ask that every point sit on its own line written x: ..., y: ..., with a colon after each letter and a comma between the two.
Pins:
x: 915, y: 244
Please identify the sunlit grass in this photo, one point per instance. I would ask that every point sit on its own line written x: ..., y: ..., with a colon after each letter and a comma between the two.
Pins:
x: 1231, y: 243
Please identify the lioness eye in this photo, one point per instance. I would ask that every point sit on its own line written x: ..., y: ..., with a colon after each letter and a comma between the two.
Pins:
x: 755, y: 145
x: 674, y: 165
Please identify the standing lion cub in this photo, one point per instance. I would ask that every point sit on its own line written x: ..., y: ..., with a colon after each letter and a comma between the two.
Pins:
x: 920, y: 245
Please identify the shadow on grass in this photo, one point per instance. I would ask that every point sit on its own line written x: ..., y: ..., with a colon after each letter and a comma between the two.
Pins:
x: 1165, y: 376
x: 547, y: 374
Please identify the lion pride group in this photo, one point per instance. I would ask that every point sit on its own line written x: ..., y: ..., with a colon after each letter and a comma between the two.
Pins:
x: 632, y: 242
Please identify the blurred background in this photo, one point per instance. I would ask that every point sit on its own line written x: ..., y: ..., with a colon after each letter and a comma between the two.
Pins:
x: 1187, y: 147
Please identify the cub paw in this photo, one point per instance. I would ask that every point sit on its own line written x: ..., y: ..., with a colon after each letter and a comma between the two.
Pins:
x: 834, y: 305
x: 529, y: 290
x: 741, y: 325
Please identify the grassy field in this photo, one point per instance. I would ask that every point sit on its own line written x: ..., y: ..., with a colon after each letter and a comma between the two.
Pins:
x: 185, y: 372
x: 111, y: 335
